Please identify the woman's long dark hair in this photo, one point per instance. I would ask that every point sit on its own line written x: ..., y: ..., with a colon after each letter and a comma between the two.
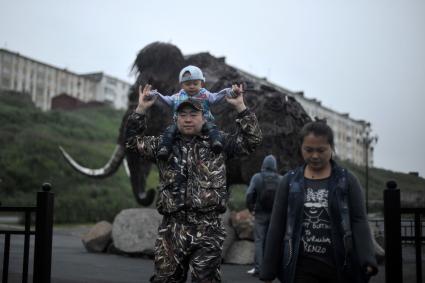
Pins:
x: 318, y: 128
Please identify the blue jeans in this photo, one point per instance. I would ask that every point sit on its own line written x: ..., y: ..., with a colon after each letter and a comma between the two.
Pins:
x: 261, y: 225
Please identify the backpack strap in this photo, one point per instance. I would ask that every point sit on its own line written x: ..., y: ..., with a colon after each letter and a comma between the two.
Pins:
x: 262, y: 179
x: 259, y: 192
x: 270, y: 183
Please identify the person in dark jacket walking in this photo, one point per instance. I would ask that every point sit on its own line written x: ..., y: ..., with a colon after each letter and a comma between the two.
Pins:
x: 193, y: 191
x: 319, y: 230
x: 259, y: 200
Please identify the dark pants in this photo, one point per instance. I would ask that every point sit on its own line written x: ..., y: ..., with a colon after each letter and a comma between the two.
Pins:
x: 314, y: 271
x: 261, y: 225
x: 180, y: 246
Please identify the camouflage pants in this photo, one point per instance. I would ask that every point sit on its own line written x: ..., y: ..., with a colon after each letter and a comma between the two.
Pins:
x: 182, y: 246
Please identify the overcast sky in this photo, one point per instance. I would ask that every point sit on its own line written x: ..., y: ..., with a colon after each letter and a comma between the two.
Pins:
x: 363, y: 57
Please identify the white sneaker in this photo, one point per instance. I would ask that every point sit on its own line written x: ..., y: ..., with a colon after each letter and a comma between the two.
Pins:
x: 252, y: 271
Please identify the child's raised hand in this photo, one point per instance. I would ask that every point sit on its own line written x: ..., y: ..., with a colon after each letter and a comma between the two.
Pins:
x: 237, y: 100
x: 237, y: 89
x: 145, y: 98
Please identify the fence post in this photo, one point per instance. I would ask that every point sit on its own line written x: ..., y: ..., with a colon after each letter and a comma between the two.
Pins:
x: 43, y: 235
x: 418, y: 247
x: 392, y: 226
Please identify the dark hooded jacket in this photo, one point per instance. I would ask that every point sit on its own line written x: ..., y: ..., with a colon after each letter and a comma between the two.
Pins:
x: 268, y: 170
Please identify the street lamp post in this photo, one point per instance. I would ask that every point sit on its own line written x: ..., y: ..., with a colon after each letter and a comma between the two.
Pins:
x: 368, y: 141
x: 367, y: 175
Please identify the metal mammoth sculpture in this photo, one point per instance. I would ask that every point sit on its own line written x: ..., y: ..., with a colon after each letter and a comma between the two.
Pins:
x: 159, y: 64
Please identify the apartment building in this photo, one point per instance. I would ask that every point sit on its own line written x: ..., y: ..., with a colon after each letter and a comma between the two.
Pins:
x: 353, y: 138
x: 44, y: 81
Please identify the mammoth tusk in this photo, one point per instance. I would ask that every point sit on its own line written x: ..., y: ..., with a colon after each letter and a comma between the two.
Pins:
x: 126, y: 168
x: 110, y: 168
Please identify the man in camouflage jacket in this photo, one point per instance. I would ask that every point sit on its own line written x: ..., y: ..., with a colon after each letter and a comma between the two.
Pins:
x: 193, y: 190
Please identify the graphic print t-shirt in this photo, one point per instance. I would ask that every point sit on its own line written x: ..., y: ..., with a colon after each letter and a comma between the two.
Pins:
x: 316, y: 233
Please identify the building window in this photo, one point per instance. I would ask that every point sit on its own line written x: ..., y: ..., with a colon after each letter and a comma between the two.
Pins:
x: 5, y: 81
x: 6, y: 69
x: 7, y: 59
x: 39, y: 93
x: 111, y: 82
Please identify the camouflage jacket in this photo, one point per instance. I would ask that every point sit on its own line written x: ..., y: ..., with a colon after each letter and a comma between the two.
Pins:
x: 193, y: 179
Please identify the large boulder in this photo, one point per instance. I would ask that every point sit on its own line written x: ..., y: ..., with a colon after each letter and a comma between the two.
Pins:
x: 135, y: 230
x: 241, y: 252
x: 243, y: 223
x: 98, y: 237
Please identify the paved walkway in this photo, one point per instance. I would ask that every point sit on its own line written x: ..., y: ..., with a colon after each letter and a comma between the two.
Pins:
x: 73, y: 264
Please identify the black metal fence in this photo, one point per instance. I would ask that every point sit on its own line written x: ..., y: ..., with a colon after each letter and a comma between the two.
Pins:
x: 394, y: 238
x: 407, y: 226
x: 42, y: 241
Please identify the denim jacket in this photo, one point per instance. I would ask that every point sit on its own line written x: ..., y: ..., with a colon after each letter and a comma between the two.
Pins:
x: 351, y: 252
